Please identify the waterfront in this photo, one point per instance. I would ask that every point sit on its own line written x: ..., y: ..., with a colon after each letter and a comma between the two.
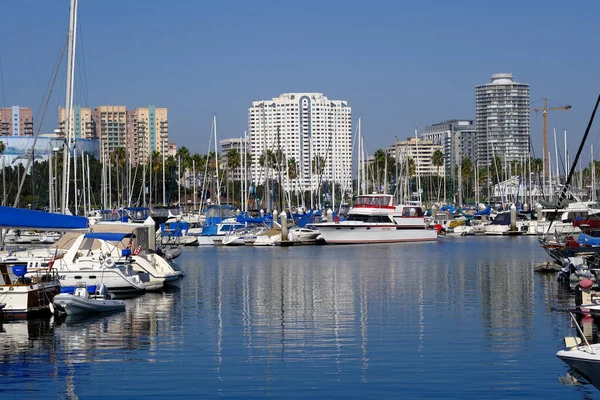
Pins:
x: 463, y: 317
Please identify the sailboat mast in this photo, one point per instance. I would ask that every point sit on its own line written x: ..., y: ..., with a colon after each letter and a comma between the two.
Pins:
x: 83, y: 193
x: 556, y: 157
x: 217, y: 161
x: 75, y: 180
x: 69, y: 102
x: 358, y: 163
x: 164, y: 199
x: 89, y: 193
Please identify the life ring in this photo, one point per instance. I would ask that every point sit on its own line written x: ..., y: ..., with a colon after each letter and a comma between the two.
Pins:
x: 108, y: 262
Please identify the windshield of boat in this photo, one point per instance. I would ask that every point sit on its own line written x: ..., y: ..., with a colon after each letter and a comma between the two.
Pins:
x: 412, y: 212
x: 372, y: 201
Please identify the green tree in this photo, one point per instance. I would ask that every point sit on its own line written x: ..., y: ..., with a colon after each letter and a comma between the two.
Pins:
x: 233, y: 163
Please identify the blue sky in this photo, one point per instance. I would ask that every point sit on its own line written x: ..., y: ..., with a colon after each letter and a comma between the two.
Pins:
x: 400, y: 64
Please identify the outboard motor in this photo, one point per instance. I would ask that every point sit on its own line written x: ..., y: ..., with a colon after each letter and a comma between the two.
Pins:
x: 583, y: 292
x: 102, y: 291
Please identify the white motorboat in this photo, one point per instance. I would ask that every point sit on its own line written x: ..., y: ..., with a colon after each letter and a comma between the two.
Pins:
x: 152, y: 268
x: 84, y: 261
x: 82, y: 302
x: 303, y: 235
x: 582, y: 358
x: 377, y: 218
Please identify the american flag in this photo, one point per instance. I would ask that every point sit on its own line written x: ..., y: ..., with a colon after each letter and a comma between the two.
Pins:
x: 137, y: 250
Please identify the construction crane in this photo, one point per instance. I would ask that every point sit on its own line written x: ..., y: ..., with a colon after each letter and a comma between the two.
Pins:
x: 545, y: 110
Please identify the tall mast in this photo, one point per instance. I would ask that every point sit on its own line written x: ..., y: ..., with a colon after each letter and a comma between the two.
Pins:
x: 217, y: 161
x: 162, y: 140
x: 89, y: 193
x: 69, y: 103
x: 358, y: 163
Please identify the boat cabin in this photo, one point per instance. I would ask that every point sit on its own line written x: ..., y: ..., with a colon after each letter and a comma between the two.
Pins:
x: 375, y: 201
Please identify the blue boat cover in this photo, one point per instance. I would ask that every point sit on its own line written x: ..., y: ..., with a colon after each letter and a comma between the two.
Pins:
x: 21, y: 218
x: 110, y: 236
x: 588, y: 240
x: 487, y: 211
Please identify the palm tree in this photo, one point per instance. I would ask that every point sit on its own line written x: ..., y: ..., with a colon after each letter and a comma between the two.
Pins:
x: 233, y: 163
x: 185, y: 160
x: 437, y: 159
x: 118, y: 158
x: 155, y: 166
x: 318, y: 163
x: 412, y: 167
x: 468, y: 173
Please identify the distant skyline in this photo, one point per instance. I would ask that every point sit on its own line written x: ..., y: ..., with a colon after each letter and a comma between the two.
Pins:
x: 399, y: 64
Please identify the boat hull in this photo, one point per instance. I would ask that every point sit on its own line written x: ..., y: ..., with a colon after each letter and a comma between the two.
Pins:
x: 372, y: 233
x: 27, y: 301
x: 584, y: 363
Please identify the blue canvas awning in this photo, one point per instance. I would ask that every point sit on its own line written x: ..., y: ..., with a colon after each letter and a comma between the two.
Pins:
x: 21, y: 218
x: 110, y: 236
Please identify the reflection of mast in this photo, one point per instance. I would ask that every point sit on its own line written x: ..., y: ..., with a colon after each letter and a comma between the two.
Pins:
x: 421, y: 311
x: 336, y: 319
x: 70, y: 382
x: 364, y: 313
x: 220, y: 325
x: 246, y: 310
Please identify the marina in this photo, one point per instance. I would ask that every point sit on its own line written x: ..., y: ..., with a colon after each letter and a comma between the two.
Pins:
x: 325, y: 321
x: 177, y: 224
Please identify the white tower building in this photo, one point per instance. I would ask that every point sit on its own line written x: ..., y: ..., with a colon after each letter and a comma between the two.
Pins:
x: 502, y: 114
x: 308, y: 129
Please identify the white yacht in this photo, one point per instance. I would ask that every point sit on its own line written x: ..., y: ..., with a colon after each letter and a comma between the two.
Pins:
x: 377, y: 218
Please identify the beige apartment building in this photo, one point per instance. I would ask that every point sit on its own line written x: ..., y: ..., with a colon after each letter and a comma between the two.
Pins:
x: 419, y: 150
x: 16, y: 121
x: 84, y: 126
x: 140, y: 131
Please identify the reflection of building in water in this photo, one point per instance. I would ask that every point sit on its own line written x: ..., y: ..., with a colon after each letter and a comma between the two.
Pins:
x: 294, y: 306
x: 506, y: 292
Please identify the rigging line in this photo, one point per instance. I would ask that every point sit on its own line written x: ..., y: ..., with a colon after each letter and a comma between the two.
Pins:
x: 39, y: 128
x: 563, y: 193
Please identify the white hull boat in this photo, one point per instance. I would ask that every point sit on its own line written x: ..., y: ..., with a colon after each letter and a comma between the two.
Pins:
x: 378, y: 219
x: 81, y: 302
x: 303, y: 235
x: 27, y: 293
x: 582, y: 358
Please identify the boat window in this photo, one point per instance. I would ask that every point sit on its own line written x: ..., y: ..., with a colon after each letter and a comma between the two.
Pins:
x: 369, y: 218
x: 412, y: 212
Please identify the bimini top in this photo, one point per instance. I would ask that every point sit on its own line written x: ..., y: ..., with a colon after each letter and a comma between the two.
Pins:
x: 21, y: 218
x: 109, y: 236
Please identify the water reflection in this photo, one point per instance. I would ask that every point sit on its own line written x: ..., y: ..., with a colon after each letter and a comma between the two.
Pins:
x: 276, y: 321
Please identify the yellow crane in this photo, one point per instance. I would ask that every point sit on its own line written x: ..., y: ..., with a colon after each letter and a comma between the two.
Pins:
x: 545, y: 110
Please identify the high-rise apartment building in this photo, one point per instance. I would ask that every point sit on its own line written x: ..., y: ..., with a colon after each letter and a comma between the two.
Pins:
x: 502, y: 115
x: 111, y: 127
x: 140, y: 131
x: 84, y: 126
x: 458, y: 138
x: 307, y: 128
x: 16, y: 121
x: 150, y: 132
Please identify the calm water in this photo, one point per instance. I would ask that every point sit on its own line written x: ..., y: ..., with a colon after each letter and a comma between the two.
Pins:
x: 464, y: 317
